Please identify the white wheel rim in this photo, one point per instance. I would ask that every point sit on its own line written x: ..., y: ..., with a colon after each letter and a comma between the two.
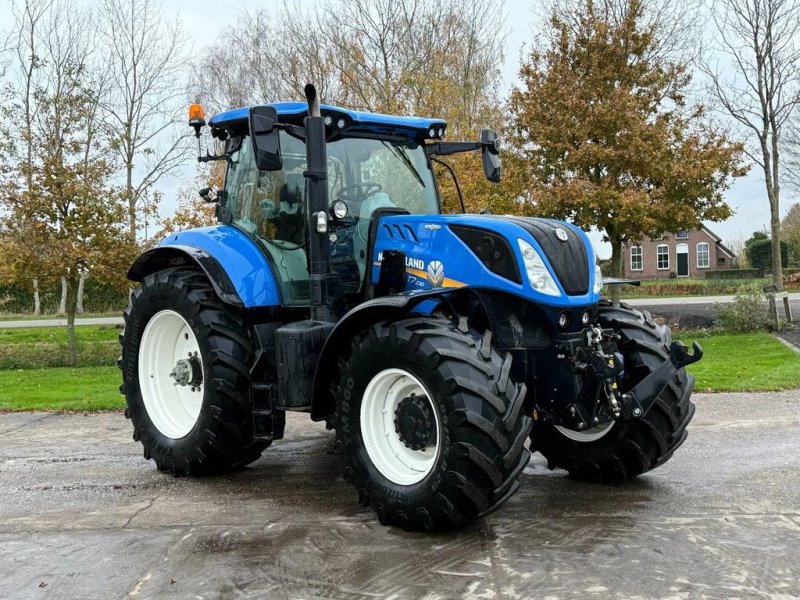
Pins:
x: 172, y: 408
x: 590, y: 435
x: 395, y: 461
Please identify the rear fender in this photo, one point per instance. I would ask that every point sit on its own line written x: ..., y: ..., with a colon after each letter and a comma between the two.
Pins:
x: 236, y: 267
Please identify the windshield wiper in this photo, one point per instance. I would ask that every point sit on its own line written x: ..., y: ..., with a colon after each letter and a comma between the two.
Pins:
x: 407, y: 161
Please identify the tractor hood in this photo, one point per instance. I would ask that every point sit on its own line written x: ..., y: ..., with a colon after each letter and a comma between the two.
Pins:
x: 547, y: 261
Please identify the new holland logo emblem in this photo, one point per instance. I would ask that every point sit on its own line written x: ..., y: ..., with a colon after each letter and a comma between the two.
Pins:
x: 561, y: 234
x: 435, y: 273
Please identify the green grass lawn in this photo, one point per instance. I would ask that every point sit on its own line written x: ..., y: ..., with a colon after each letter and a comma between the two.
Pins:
x: 86, y: 333
x: 744, y: 362
x: 732, y: 363
x: 64, y: 389
x: 32, y: 317
x: 42, y: 347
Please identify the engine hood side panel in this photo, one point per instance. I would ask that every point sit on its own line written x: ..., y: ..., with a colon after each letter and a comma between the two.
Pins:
x: 437, y: 258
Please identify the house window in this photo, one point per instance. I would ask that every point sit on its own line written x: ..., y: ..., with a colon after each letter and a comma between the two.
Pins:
x: 636, y: 258
x: 662, y: 256
x: 702, y: 255
x: 721, y: 260
x: 683, y: 234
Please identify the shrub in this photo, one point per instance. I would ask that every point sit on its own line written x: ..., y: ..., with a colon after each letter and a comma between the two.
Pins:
x: 734, y: 274
x: 748, y: 311
x: 98, y: 297
x: 759, y: 254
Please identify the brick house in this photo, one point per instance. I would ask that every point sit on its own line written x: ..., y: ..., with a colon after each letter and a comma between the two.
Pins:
x: 685, y: 253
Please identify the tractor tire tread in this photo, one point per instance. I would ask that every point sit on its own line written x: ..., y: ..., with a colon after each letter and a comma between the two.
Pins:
x: 224, y: 442
x: 486, y: 452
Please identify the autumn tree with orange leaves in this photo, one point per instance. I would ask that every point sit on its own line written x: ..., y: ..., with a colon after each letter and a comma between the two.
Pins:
x: 603, y: 135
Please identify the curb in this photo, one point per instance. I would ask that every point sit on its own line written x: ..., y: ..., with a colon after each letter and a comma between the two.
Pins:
x: 785, y: 343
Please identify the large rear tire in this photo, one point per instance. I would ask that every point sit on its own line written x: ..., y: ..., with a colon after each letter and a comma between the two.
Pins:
x: 185, y: 369
x: 430, y: 423
x: 626, y: 449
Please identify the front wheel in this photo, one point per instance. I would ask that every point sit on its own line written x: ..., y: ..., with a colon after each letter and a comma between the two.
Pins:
x: 618, y: 450
x: 429, y: 422
x: 185, y: 370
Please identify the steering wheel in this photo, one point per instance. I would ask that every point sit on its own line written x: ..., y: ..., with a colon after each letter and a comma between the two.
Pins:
x: 358, y: 192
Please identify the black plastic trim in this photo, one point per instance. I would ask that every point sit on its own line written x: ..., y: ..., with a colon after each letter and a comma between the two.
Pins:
x: 164, y: 257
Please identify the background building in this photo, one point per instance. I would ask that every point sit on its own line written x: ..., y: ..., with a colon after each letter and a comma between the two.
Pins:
x: 685, y: 253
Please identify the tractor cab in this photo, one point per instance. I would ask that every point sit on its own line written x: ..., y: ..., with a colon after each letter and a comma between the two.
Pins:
x: 373, y: 162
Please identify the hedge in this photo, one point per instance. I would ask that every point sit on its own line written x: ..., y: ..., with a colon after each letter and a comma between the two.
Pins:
x: 759, y: 254
x: 98, y: 297
x: 734, y: 274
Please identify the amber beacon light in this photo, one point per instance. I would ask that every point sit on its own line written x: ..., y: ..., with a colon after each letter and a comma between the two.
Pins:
x: 197, y: 117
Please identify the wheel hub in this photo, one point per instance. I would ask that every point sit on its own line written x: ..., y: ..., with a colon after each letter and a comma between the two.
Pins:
x: 188, y: 371
x: 414, y: 422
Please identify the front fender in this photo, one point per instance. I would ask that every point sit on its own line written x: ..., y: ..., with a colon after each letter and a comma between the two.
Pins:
x: 235, y: 265
x: 356, y: 320
x: 517, y: 324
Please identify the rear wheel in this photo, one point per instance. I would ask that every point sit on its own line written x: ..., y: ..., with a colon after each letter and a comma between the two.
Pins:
x: 185, y: 369
x: 429, y: 423
x: 618, y: 450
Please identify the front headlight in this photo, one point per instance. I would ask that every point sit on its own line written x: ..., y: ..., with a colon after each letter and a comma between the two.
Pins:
x: 538, y: 275
x: 598, y: 279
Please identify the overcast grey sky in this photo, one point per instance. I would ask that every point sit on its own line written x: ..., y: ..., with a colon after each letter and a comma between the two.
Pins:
x: 204, y: 19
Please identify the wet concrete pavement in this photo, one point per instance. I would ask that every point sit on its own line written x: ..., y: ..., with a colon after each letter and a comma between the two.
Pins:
x: 82, y: 515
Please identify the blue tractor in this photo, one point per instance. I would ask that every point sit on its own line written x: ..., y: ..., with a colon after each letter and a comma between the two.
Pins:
x: 435, y: 345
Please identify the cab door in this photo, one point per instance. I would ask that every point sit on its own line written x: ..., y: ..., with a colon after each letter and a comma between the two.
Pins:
x: 270, y: 207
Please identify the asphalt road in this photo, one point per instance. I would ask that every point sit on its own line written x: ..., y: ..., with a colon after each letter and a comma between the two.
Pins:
x: 82, y: 515
x: 698, y: 311
x: 61, y: 322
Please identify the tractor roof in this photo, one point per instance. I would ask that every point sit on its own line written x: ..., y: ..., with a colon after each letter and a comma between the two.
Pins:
x: 356, y: 122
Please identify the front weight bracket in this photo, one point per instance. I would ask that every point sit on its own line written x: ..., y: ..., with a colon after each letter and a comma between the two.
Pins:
x: 637, y: 401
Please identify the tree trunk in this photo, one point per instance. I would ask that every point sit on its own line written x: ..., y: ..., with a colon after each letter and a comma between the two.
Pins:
x: 79, y: 303
x: 62, y: 306
x: 72, y: 303
x: 773, y: 195
x: 775, y: 205
x: 37, y: 304
x: 775, y: 231
x: 129, y: 184
x: 616, y: 266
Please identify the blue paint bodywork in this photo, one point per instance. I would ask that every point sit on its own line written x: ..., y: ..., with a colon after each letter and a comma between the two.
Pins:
x: 422, y: 238
x: 435, y: 242
x: 240, y: 257
x: 375, y: 123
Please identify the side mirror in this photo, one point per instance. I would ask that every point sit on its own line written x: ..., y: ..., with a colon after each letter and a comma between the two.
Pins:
x: 490, y: 153
x: 266, y: 143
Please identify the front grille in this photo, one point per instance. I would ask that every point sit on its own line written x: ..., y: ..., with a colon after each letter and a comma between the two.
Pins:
x: 568, y: 259
x: 493, y: 251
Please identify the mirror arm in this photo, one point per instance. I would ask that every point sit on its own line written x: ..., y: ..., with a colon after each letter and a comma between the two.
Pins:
x: 455, y: 180
x: 447, y: 148
x: 212, y: 157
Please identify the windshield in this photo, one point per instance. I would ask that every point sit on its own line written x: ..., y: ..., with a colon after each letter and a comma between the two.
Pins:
x: 365, y: 173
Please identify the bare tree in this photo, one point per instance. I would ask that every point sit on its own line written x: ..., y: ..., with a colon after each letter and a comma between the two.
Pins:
x: 405, y: 56
x: 245, y: 68
x: 7, y: 48
x: 145, y: 66
x: 761, y: 88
